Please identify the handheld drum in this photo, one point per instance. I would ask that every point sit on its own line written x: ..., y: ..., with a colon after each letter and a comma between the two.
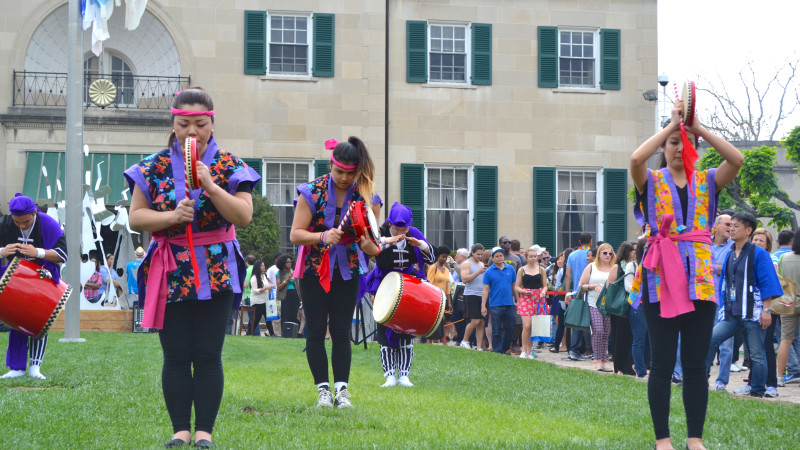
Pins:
x: 689, y: 102
x: 364, y: 223
x: 190, y: 163
x: 409, y: 305
x: 30, y: 300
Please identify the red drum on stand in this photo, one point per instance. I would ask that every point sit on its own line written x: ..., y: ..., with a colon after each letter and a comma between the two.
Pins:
x: 30, y: 300
x: 409, y: 305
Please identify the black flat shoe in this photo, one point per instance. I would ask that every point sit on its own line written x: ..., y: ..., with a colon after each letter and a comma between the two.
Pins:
x: 176, y: 443
x: 204, y: 443
x: 553, y: 350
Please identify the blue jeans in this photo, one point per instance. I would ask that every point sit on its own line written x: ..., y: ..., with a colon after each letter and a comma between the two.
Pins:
x: 639, y: 329
x: 503, y: 318
x: 754, y: 336
x: 725, y: 359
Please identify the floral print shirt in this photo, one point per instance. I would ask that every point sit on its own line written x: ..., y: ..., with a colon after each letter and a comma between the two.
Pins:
x: 218, y: 263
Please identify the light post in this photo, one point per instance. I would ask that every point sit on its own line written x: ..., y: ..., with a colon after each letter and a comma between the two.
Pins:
x: 663, y: 80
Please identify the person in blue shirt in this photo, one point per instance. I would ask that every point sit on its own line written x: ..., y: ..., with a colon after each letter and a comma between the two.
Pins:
x: 498, y: 282
x: 748, y: 283
x: 720, y: 247
x: 131, y: 269
x: 785, y: 239
x: 576, y: 263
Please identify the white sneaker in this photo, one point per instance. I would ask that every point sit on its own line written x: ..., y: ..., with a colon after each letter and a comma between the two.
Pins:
x: 523, y: 355
x: 532, y: 356
x: 404, y: 381
x: 391, y: 380
x: 325, y: 399
x: 14, y: 374
x: 465, y: 344
x: 33, y: 371
x: 737, y: 368
x: 480, y: 349
x: 342, y: 399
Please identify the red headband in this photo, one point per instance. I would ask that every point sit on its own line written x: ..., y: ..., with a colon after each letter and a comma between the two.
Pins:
x: 183, y: 112
x: 330, y: 144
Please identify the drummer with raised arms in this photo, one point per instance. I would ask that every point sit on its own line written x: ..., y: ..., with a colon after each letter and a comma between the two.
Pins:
x: 331, y: 260
x: 405, y: 250
x: 38, y: 238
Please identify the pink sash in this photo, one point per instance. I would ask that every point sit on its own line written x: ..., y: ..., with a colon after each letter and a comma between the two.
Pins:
x: 163, y: 262
x: 663, y: 253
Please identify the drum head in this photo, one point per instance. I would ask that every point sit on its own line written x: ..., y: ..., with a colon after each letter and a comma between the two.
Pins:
x: 689, y: 102
x: 190, y: 160
x: 373, y: 225
x: 387, y: 297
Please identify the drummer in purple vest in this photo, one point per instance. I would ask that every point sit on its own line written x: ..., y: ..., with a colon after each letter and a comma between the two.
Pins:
x: 36, y: 237
x: 404, y: 250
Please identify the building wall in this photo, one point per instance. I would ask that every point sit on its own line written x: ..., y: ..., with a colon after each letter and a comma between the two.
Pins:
x: 512, y: 124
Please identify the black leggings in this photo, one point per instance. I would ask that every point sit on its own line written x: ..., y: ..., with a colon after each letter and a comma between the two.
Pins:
x: 333, y: 309
x: 193, y: 334
x: 695, y: 329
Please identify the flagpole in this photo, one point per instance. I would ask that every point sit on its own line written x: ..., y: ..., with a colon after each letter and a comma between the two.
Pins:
x: 74, y: 169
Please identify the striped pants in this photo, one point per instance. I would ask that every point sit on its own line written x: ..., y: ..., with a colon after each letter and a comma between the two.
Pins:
x: 397, y: 360
x: 18, y: 348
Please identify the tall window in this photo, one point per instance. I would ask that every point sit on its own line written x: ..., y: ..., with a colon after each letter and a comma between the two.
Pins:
x: 122, y: 77
x: 280, y: 181
x: 448, y: 53
x: 447, y: 211
x: 577, y: 58
x: 577, y: 206
x: 288, y: 45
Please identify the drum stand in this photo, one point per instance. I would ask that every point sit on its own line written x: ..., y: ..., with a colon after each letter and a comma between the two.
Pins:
x: 359, y: 323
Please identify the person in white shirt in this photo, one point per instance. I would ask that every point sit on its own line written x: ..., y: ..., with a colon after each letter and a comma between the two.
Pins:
x: 260, y: 288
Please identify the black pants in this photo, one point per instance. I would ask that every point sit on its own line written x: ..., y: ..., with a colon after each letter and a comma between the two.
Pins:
x: 290, y: 306
x: 254, y: 328
x: 623, y: 342
x: 695, y: 329
x: 192, y: 338
x: 334, y: 309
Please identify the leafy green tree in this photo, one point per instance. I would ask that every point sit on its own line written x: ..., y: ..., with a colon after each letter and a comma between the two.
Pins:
x: 755, y: 189
x: 262, y: 236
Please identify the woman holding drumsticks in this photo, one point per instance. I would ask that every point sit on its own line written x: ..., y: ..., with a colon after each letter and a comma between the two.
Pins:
x: 188, y: 291
x: 331, y: 261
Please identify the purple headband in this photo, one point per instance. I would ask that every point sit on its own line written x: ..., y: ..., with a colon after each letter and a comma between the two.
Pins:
x: 330, y: 144
x: 183, y: 112
x: 21, y: 205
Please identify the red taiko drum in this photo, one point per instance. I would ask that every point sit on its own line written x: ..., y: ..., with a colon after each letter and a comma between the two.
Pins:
x: 30, y: 300
x: 190, y: 158
x: 409, y: 305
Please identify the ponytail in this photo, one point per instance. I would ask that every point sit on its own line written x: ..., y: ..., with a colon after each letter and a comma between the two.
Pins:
x: 354, y: 150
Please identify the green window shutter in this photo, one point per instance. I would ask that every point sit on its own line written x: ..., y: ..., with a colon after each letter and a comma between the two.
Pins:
x: 321, y: 167
x: 548, y: 57
x: 255, y: 42
x: 544, y: 208
x: 485, y: 230
x: 616, y: 206
x: 412, y: 192
x: 610, y: 72
x: 257, y: 165
x: 482, y: 54
x: 416, y: 51
x: 324, y: 39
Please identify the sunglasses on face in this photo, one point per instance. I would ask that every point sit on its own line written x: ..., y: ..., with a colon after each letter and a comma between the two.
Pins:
x: 505, y: 242
x: 606, y: 253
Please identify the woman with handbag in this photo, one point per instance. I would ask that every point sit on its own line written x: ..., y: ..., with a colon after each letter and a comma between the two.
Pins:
x: 531, y: 287
x: 621, y: 329
x: 677, y: 205
x: 259, y: 295
x: 636, y: 318
x: 593, y: 279
x: 558, y: 281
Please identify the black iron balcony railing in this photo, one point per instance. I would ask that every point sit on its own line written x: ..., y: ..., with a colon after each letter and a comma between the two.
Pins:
x: 133, y: 91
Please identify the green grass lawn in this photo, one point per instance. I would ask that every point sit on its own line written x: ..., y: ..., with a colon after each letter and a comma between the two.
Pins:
x: 106, y: 393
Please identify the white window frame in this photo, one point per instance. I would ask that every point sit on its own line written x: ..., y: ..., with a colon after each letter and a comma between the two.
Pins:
x: 596, y: 57
x: 309, y: 43
x: 470, y: 198
x: 297, y: 162
x: 467, y: 51
x: 600, y: 198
